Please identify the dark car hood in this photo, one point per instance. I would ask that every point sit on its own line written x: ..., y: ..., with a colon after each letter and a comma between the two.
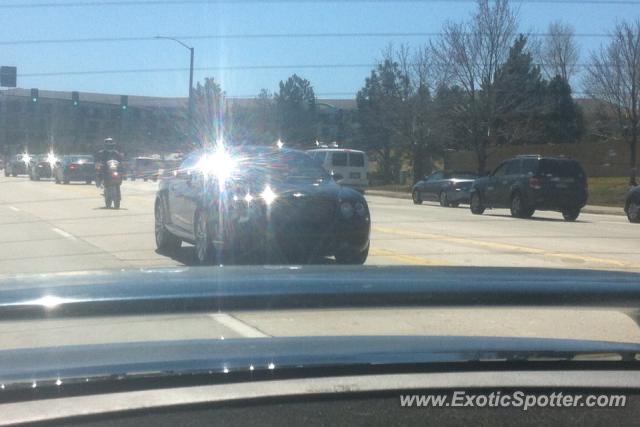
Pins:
x: 323, y: 189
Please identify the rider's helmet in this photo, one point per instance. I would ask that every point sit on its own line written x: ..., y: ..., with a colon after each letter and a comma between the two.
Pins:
x: 109, y: 144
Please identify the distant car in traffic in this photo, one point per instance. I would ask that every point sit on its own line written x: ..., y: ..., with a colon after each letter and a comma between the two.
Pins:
x: 17, y: 165
x: 74, y: 167
x: 632, y: 205
x: 253, y: 202
x: 532, y: 182
x: 39, y: 167
x: 448, y: 188
x: 349, y: 167
x: 144, y: 168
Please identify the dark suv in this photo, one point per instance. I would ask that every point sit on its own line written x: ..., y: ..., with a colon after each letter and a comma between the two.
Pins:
x: 527, y: 183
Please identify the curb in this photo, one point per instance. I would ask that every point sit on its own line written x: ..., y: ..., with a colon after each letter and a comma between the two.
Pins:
x: 590, y: 209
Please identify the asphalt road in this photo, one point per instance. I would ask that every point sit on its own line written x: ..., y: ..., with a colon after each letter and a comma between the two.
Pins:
x: 46, y: 227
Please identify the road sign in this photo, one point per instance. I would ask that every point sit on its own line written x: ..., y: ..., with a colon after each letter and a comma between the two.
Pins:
x: 8, y: 76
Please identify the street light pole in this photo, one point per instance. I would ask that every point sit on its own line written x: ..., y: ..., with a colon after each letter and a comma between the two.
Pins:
x: 191, y: 89
x: 191, y: 53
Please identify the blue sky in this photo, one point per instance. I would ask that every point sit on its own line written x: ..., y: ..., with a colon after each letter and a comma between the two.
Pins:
x: 19, y: 24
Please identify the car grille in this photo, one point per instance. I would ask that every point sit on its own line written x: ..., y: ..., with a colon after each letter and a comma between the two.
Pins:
x: 305, y: 210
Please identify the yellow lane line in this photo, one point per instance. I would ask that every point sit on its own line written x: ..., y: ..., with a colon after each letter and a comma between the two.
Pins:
x: 505, y: 247
x: 410, y: 259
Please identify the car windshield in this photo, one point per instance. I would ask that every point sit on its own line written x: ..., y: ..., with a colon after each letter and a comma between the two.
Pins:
x: 343, y: 139
x: 279, y: 165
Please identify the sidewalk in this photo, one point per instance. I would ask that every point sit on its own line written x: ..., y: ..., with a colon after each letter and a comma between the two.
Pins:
x: 591, y: 209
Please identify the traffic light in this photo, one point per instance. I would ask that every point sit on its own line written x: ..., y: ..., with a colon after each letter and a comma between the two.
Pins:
x: 124, y: 102
x: 34, y: 95
x: 75, y: 98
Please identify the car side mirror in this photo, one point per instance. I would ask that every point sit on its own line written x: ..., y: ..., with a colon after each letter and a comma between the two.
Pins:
x: 336, y: 177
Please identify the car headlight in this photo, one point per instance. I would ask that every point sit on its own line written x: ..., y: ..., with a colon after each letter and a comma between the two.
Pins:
x: 346, y: 209
x: 360, y: 209
x: 268, y: 195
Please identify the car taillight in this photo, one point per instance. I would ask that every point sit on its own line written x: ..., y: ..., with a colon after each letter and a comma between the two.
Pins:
x: 114, y: 173
x: 534, y: 183
x: 73, y: 166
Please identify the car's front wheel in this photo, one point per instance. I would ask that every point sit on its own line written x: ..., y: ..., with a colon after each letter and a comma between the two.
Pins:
x: 203, y: 244
x: 519, y: 208
x: 444, y: 199
x: 417, y: 198
x: 165, y: 241
x: 633, y: 212
x: 477, y: 208
x: 571, y: 214
x: 352, y: 256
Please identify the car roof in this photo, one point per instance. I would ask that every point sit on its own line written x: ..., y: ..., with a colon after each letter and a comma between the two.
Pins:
x: 345, y: 150
x: 540, y: 157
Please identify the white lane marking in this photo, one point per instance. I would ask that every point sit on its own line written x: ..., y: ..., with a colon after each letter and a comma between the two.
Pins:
x: 237, y: 326
x: 64, y: 233
x: 13, y: 208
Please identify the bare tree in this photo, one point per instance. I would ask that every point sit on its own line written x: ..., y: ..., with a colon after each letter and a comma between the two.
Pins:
x: 614, y: 77
x: 559, y: 52
x: 469, y: 55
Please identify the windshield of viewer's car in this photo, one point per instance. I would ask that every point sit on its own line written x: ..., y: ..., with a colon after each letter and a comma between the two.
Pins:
x: 340, y: 135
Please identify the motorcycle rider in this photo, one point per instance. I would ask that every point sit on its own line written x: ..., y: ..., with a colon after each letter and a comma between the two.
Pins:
x: 108, y: 152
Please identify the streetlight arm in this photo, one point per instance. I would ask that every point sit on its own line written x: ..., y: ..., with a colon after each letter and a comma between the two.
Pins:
x: 175, y: 40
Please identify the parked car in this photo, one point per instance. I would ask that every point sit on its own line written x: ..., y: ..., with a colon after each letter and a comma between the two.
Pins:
x: 255, y: 202
x: 17, y: 165
x: 632, y: 204
x: 349, y: 167
x: 532, y: 182
x: 74, y: 167
x: 144, y: 168
x: 449, y: 188
x: 40, y: 167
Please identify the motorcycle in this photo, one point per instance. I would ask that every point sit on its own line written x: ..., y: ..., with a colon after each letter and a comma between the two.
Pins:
x: 111, y: 181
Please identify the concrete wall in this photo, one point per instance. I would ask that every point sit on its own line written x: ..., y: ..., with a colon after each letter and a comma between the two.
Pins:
x: 598, y: 159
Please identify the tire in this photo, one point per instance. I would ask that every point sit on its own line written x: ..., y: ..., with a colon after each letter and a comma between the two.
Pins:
x: 417, y: 199
x: 353, y: 258
x: 36, y: 177
x: 13, y: 174
x: 204, y: 247
x: 454, y: 204
x: 65, y: 180
x: 6, y: 172
x: 88, y: 182
x: 475, y: 204
x: 443, y: 199
x: 107, y: 202
x: 56, y: 180
x: 165, y: 242
x: 633, y: 212
x: 519, y: 208
x: 116, y: 204
x: 571, y: 214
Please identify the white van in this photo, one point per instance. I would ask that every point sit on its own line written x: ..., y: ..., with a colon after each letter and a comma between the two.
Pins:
x: 349, y: 166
